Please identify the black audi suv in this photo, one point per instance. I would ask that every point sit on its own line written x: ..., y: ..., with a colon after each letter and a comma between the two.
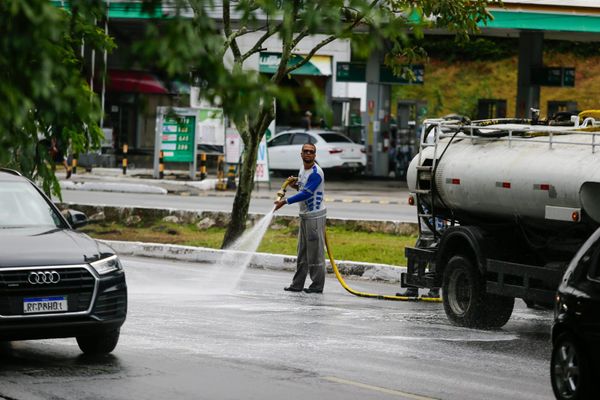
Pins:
x: 575, y: 363
x: 54, y: 281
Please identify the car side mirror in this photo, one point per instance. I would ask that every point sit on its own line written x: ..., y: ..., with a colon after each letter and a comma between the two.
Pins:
x: 76, y: 219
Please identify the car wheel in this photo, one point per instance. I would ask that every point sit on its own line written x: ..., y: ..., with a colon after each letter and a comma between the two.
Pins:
x: 466, y: 302
x: 101, y: 343
x: 569, y: 370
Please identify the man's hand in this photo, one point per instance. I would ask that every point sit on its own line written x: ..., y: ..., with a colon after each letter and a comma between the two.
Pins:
x: 279, y: 204
x: 294, y: 184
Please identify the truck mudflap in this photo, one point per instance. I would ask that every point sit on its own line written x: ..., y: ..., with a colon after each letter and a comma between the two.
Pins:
x: 420, y: 268
x: 529, y: 282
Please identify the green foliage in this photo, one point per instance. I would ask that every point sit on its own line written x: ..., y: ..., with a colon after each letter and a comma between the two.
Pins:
x: 580, y: 49
x: 191, y: 42
x: 485, y: 49
x: 41, y: 85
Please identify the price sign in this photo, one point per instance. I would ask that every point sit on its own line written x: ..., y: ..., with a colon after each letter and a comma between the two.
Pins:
x: 178, y: 139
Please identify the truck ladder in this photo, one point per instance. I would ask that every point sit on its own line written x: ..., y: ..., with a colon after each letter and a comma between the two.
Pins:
x: 425, y: 174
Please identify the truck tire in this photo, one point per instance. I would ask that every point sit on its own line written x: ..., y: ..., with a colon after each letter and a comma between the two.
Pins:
x: 101, y: 343
x: 466, y: 302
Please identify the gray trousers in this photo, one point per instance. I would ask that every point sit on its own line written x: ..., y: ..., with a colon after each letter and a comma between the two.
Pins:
x: 311, y: 251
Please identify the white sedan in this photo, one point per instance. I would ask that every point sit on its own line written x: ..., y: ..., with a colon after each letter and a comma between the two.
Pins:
x: 334, y: 151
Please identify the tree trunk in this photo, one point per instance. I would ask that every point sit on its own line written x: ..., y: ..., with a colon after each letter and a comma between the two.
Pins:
x: 241, y: 203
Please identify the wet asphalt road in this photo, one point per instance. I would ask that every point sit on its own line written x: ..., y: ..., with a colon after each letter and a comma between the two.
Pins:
x: 189, y: 337
x: 385, y: 212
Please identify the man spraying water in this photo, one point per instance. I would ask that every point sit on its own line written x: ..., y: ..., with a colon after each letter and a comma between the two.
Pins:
x: 311, y: 237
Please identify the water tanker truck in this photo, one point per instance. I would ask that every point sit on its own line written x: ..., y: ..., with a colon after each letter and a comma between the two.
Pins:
x: 503, y: 205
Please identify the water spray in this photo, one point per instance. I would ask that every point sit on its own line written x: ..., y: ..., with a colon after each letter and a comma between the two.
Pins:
x: 281, y: 195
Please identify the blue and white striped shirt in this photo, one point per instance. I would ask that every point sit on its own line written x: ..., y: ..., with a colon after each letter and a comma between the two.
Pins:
x: 311, y: 195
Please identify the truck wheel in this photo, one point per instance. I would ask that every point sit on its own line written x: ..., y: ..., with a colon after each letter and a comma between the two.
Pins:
x: 465, y: 300
x: 101, y: 343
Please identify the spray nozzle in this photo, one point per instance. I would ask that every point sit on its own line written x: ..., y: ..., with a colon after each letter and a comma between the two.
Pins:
x: 289, y: 181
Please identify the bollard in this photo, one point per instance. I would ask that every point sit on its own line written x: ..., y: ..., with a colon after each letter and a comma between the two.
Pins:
x: 202, y: 166
x: 221, y: 184
x: 161, y: 165
x: 231, y: 177
x: 125, y: 148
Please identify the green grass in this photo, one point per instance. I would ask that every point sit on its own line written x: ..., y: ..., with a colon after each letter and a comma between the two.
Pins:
x: 347, y: 244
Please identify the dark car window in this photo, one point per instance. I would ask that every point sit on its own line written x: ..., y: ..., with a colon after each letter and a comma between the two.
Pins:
x: 21, y: 205
x: 302, y: 138
x: 280, y: 140
x: 335, y: 138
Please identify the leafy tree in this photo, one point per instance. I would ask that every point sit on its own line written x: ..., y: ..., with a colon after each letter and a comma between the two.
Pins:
x: 193, y: 40
x: 42, y: 87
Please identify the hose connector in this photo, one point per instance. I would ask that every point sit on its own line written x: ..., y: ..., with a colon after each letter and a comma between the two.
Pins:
x: 289, y: 181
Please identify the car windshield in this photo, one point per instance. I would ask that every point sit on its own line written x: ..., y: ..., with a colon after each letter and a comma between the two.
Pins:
x: 335, y: 138
x: 21, y: 205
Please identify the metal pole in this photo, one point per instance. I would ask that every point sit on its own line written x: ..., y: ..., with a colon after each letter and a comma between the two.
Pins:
x: 105, y: 67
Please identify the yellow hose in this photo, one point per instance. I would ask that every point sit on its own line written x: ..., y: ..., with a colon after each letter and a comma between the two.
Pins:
x: 370, y: 295
x: 281, y: 194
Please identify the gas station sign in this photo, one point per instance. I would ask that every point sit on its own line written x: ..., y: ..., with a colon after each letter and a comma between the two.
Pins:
x: 179, y: 131
x: 357, y: 72
x: 351, y: 72
x: 553, y: 76
x: 178, y: 138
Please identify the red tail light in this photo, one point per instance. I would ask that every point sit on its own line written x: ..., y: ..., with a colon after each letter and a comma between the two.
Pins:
x: 335, y: 150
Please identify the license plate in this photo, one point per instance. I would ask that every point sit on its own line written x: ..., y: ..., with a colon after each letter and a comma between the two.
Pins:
x: 44, y: 304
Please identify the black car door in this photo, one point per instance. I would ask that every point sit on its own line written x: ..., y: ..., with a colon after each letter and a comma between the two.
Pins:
x: 587, y: 291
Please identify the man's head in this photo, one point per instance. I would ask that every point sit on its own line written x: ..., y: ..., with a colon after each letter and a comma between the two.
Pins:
x: 309, y: 152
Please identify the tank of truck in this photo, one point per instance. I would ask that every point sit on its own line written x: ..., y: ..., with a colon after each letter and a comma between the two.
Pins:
x: 544, y: 173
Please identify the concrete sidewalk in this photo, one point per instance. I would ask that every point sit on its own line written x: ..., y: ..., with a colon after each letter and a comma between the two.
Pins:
x: 359, y: 190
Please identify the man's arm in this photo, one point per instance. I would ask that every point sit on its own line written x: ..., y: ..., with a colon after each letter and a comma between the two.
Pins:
x: 314, y: 180
x: 311, y: 185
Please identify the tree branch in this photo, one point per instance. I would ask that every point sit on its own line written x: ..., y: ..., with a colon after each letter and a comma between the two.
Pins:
x: 288, y: 20
x: 233, y: 36
x: 258, y: 45
x: 230, y: 37
x: 299, y: 38
x: 325, y: 42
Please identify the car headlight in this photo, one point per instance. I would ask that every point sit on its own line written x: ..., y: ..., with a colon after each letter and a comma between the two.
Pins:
x: 107, y: 265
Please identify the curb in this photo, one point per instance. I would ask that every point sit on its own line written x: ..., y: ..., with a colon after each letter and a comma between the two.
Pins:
x: 112, y: 187
x: 279, y: 262
x: 327, y: 199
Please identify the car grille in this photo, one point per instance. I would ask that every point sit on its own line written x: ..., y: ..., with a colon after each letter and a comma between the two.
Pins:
x: 111, y: 305
x: 76, y: 284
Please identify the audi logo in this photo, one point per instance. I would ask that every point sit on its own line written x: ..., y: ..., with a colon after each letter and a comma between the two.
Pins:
x: 43, y: 277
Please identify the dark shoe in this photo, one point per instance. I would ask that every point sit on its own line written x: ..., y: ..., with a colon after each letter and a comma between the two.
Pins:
x: 409, y: 292
x: 292, y: 289
x: 433, y: 294
x: 312, y: 290
x: 68, y: 174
